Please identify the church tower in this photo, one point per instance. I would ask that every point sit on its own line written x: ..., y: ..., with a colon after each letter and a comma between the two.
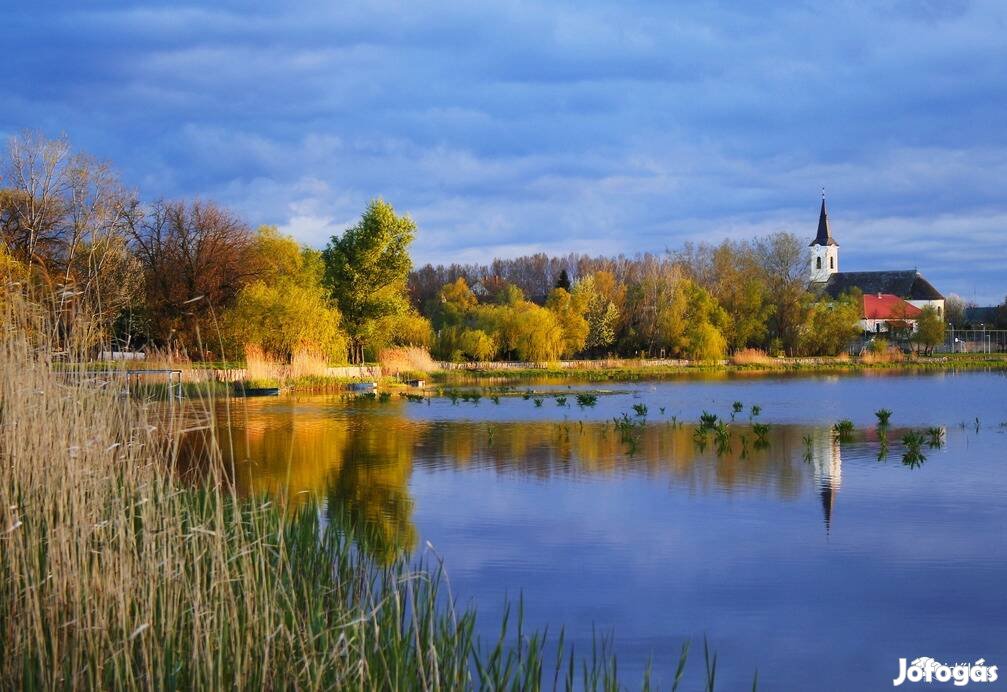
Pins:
x: 824, y: 249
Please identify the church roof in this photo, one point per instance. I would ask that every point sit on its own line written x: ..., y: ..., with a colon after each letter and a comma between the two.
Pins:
x: 908, y: 284
x: 824, y: 236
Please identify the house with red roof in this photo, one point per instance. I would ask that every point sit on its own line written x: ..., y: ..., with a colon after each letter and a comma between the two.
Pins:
x: 885, y: 312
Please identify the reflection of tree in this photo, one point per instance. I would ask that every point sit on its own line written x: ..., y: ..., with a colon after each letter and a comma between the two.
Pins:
x: 360, y: 461
x: 361, y: 467
x: 371, y: 489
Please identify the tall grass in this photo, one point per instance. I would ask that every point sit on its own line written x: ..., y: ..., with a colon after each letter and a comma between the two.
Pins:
x: 116, y: 572
x: 406, y: 360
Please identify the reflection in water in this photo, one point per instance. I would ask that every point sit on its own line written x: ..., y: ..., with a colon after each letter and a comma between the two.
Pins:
x: 359, y: 459
x: 827, y: 462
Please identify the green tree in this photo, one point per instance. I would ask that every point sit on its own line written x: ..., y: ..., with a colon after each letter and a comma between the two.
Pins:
x: 366, y: 269
x: 929, y: 329
x: 830, y: 325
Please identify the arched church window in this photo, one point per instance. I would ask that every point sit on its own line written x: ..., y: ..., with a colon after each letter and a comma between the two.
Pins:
x: 818, y: 263
x: 832, y: 263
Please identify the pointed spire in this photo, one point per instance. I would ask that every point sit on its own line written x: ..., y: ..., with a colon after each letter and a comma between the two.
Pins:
x: 824, y: 236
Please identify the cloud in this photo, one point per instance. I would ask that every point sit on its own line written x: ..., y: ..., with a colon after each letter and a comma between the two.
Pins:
x: 511, y: 126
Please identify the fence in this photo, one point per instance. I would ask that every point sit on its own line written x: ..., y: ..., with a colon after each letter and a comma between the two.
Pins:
x: 975, y: 341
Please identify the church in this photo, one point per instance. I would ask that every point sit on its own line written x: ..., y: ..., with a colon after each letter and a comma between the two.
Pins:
x: 890, y: 298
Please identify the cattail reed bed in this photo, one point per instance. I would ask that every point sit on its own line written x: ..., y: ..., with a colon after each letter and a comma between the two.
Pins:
x: 119, y: 573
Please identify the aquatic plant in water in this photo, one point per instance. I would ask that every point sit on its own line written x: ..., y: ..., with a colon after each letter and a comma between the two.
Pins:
x: 538, y: 401
x: 707, y: 420
x: 935, y: 437
x: 561, y: 401
x: 586, y: 400
x: 736, y: 408
x: 843, y: 430
x: 756, y: 410
x: 761, y: 431
x: 883, y: 416
x: 722, y: 437
x: 808, y: 448
x: 640, y: 410
x: 913, y: 443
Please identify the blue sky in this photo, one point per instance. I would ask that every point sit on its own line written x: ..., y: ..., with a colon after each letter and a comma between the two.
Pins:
x: 511, y: 127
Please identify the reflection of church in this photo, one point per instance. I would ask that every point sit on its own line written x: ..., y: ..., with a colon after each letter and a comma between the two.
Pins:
x: 827, y: 464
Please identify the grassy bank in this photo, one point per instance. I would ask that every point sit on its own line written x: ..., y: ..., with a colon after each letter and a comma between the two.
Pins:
x: 637, y: 370
x: 116, y: 572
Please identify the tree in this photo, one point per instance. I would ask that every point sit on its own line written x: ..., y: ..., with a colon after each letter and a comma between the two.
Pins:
x: 600, y: 312
x: 829, y: 325
x: 954, y: 310
x: 287, y: 309
x: 366, y: 269
x: 563, y: 281
x: 66, y: 217
x: 196, y: 258
x: 569, y: 312
x: 929, y: 329
x: 784, y: 259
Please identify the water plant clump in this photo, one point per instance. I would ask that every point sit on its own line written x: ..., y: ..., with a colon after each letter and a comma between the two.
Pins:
x: 761, y: 431
x: 538, y: 401
x: 756, y: 410
x: 883, y: 416
x: 736, y: 408
x: 843, y: 430
x: 561, y: 401
x: 384, y: 397
x: 722, y: 438
x: 809, y: 443
x: 587, y: 400
x: 495, y: 398
x: 935, y: 437
x: 707, y: 420
x: 640, y: 410
x: 913, y: 455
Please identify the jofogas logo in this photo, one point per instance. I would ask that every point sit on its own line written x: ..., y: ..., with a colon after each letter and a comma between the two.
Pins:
x: 925, y: 669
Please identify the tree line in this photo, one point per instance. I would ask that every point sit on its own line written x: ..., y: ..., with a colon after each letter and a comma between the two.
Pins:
x: 191, y: 276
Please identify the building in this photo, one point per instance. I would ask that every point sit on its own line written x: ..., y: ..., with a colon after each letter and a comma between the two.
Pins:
x: 889, y: 289
x: 884, y: 312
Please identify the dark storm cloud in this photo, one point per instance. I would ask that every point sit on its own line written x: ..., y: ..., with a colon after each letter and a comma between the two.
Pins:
x: 513, y: 127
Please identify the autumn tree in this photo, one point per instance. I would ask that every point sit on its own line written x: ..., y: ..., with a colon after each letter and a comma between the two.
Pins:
x: 568, y: 309
x: 196, y: 258
x: 66, y: 216
x: 286, y: 309
x: 829, y: 326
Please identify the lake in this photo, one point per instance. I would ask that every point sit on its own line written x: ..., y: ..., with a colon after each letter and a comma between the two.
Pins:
x: 817, y: 561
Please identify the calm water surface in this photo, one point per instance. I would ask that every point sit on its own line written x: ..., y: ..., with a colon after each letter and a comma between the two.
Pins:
x: 816, y: 562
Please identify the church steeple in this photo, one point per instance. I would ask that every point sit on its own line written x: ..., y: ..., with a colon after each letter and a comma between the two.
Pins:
x: 824, y: 236
x: 824, y: 249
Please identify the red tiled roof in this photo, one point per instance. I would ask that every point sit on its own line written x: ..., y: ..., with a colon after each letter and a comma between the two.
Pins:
x: 885, y: 306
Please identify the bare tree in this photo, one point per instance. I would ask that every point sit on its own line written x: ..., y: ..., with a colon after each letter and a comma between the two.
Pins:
x: 196, y: 257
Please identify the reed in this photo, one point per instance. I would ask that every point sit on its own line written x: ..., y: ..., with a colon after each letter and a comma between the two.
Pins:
x: 119, y: 573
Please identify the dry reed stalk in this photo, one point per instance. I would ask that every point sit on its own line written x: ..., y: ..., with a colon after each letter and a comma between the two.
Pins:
x: 406, y: 359
x: 751, y: 356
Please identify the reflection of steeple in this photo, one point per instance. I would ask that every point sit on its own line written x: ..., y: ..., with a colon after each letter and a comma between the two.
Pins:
x: 827, y: 463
